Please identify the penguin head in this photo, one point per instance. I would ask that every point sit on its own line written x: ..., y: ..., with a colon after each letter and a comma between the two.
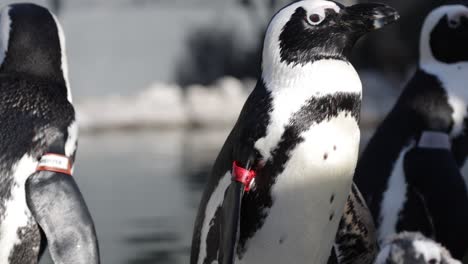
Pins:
x: 311, y: 30
x: 444, y: 36
x: 32, y: 43
x: 413, y: 248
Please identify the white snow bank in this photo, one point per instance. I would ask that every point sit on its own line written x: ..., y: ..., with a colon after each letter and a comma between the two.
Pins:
x: 163, y: 105
x: 159, y: 105
x: 217, y: 105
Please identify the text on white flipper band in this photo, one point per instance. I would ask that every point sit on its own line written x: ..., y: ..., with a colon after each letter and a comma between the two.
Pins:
x: 54, y: 162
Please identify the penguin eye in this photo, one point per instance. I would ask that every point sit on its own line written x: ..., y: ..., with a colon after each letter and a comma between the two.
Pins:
x: 315, y: 19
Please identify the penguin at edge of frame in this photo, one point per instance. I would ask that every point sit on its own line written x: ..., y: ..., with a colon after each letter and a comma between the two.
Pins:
x: 40, y: 202
x: 409, y: 173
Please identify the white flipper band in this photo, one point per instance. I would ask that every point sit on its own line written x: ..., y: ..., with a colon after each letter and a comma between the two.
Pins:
x: 56, y: 163
x: 435, y: 140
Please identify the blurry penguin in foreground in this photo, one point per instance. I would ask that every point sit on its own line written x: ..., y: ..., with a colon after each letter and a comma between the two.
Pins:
x: 413, y: 248
x: 409, y: 172
x: 40, y: 203
x: 279, y: 185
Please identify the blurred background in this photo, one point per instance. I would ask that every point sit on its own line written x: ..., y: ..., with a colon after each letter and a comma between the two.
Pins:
x: 158, y: 84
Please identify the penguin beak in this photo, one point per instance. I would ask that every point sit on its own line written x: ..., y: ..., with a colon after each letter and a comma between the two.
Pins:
x: 370, y: 16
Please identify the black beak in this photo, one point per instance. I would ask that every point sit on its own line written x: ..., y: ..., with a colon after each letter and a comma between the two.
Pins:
x: 370, y: 16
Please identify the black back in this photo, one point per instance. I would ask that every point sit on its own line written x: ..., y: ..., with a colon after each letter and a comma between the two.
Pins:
x: 34, y: 45
x: 422, y: 106
x: 250, y: 126
x: 34, y: 109
x: 33, y: 92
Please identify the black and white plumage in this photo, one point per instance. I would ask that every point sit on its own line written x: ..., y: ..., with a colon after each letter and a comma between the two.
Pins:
x: 410, y: 181
x: 299, y: 131
x: 413, y: 248
x: 356, y: 238
x: 37, y: 117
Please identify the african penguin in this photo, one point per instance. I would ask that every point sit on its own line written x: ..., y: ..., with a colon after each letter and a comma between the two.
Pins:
x: 298, y: 131
x: 413, y: 248
x: 409, y: 172
x: 40, y: 202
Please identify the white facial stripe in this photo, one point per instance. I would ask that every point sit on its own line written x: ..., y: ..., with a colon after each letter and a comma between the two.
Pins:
x: 453, y: 12
x: 321, y: 9
x: 64, y: 57
x: 271, y: 63
x: 5, y: 27
x: 452, y: 76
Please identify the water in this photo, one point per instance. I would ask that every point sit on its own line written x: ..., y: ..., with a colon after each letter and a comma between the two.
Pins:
x: 143, y: 189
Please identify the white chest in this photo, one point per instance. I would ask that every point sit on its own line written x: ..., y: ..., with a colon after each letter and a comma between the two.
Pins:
x: 309, y: 196
x: 310, y: 193
x: 453, y: 79
x: 295, y: 87
x: 16, y: 213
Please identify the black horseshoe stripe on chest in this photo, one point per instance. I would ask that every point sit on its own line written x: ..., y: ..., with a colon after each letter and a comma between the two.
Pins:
x: 316, y: 110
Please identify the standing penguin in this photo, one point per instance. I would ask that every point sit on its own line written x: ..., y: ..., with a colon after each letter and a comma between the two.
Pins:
x: 409, y: 172
x: 295, y: 144
x: 40, y: 203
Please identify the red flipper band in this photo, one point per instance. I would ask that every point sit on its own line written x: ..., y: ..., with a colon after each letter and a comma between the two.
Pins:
x: 243, y: 176
x: 56, y: 163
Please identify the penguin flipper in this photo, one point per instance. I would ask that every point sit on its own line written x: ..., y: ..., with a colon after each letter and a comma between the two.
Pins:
x: 60, y: 210
x: 356, y: 239
x: 230, y: 222
x: 58, y: 207
x: 232, y: 203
